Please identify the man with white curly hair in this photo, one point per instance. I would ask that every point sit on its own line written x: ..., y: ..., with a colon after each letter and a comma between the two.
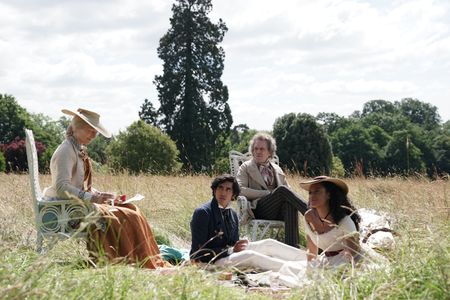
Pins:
x: 265, y: 185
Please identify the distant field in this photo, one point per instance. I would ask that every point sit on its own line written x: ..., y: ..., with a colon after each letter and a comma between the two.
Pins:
x: 420, y: 269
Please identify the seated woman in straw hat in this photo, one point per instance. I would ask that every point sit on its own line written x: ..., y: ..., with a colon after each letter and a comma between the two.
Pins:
x: 126, y: 235
x: 332, y: 223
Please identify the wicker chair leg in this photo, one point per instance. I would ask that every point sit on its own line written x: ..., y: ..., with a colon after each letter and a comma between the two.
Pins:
x: 254, y: 230
x: 39, y: 239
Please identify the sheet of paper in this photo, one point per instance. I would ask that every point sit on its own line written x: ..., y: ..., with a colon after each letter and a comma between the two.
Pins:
x: 137, y: 197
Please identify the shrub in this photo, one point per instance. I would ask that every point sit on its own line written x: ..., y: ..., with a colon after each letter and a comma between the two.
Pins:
x: 2, y: 162
x: 16, y: 155
x: 143, y: 148
x: 221, y: 165
x: 302, y: 144
x: 13, y: 118
x: 97, y: 149
x: 337, y: 167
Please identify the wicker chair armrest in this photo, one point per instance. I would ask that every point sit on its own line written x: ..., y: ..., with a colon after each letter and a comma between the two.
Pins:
x: 45, y: 201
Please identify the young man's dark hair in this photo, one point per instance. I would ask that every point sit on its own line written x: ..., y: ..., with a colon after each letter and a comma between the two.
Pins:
x: 226, y: 178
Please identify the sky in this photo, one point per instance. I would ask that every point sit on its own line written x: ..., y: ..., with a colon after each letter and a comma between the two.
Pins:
x: 281, y: 56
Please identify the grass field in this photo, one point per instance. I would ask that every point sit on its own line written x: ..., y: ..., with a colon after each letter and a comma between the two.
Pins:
x: 419, y: 269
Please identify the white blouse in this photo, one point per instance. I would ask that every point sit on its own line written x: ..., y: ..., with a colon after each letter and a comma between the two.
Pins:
x: 333, y: 240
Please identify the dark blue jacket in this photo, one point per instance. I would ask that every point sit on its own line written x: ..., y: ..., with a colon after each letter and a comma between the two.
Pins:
x: 210, y: 240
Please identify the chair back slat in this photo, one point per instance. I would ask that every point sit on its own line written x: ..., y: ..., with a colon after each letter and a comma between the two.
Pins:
x: 33, y: 168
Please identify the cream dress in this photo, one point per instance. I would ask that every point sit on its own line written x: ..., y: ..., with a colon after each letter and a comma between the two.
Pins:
x: 333, y: 240
x: 299, y: 273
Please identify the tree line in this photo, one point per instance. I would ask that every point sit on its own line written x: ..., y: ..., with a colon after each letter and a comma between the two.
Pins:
x: 385, y: 138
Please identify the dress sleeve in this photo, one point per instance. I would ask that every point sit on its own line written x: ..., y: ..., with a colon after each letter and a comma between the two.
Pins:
x: 347, y: 225
x: 309, y: 232
x: 308, y: 229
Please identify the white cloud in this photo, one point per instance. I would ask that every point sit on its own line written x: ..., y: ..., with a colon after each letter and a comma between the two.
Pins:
x: 285, y: 56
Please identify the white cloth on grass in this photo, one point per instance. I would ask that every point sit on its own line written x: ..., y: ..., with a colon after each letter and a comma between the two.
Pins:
x: 266, y: 255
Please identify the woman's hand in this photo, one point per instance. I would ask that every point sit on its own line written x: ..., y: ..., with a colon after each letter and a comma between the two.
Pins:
x: 240, y: 245
x: 347, y: 255
x: 311, y: 216
x: 101, y: 198
x: 353, y: 247
x: 313, y: 219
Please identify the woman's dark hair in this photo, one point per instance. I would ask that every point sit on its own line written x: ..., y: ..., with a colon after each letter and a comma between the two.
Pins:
x: 226, y: 178
x: 340, y: 204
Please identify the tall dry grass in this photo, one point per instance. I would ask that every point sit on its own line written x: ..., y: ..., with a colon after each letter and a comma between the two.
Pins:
x: 419, y: 269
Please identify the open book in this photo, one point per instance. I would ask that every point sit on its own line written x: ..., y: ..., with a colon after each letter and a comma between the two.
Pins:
x: 122, y: 199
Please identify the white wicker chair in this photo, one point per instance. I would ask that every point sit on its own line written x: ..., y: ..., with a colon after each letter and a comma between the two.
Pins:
x: 257, y: 229
x: 55, y: 219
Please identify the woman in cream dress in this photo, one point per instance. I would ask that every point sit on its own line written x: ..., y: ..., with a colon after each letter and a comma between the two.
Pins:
x: 122, y: 233
x: 331, y: 223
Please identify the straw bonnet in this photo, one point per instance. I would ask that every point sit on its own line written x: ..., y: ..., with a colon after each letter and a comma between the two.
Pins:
x: 339, y: 183
x: 90, y: 117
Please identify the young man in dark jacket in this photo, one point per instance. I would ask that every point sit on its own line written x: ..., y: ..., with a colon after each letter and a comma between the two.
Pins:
x: 215, y: 225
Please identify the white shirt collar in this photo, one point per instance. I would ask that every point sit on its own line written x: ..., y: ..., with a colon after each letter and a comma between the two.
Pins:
x: 228, y: 207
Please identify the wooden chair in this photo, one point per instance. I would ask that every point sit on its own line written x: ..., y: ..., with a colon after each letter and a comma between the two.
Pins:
x: 257, y: 229
x: 55, y: 219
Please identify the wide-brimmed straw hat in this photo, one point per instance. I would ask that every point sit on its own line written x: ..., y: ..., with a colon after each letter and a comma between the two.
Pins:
x: 90, y: 117
x: 339, y: 183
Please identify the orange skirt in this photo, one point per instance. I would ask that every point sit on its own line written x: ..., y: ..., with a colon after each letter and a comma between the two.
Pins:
x: 126, y: 236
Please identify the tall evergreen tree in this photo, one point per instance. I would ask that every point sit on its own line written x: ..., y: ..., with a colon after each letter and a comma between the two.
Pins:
x: 148, y: 113
x: 194, y: 109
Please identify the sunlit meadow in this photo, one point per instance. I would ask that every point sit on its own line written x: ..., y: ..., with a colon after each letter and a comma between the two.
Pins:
x: 419, y: 263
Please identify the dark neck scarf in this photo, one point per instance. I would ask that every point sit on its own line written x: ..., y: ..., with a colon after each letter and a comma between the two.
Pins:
x: 226, y: 220
x: 266, y: 173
